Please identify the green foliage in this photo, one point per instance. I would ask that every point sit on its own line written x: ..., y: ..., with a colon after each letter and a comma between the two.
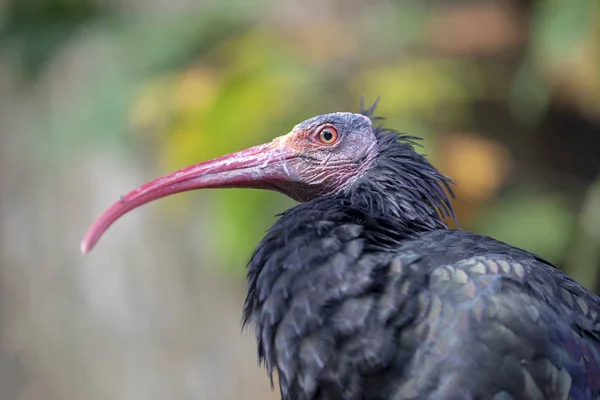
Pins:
x: 559, y: 27
x: 37, y: 29
x: 140, y: 50
x: 584, y: 256
x: 532, y: 218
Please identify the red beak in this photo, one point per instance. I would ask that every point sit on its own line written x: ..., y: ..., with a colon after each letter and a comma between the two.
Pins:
x: 263, y: 167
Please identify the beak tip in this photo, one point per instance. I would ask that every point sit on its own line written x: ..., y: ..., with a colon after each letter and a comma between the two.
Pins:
x: 86, y: 245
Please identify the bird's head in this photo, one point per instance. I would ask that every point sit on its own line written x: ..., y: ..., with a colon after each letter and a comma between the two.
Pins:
x: 322, y: 156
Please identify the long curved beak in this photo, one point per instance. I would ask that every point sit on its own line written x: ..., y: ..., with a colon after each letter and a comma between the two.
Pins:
x: 262, y: 166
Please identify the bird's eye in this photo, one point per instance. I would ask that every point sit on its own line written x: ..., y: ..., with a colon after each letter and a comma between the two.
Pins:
x: 328, y: 135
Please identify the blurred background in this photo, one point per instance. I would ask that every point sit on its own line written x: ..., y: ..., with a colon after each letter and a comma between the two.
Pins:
x: 99, y: 96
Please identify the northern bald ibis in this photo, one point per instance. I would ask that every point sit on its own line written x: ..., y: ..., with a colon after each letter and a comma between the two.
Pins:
x: 362, y: 292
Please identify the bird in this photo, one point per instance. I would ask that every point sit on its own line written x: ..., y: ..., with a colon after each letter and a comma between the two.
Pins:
x: 362, y: 291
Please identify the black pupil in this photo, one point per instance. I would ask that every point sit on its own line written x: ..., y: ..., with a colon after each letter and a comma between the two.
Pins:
x: 327, y: 135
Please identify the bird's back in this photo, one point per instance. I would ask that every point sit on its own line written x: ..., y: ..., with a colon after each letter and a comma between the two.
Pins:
x: 346, y: 307
x: 500, y: 323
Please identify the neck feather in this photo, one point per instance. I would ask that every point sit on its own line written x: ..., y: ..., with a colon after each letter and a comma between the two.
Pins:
x: 402, y: 185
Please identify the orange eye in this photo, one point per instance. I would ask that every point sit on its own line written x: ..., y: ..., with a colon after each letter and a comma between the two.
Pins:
x: 328, y: 135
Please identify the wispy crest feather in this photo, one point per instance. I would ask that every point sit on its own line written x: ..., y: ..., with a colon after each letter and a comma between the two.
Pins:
x: 400, y: 160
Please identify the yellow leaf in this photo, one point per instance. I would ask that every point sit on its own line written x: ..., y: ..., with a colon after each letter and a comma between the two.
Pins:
x: 195, y: 89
